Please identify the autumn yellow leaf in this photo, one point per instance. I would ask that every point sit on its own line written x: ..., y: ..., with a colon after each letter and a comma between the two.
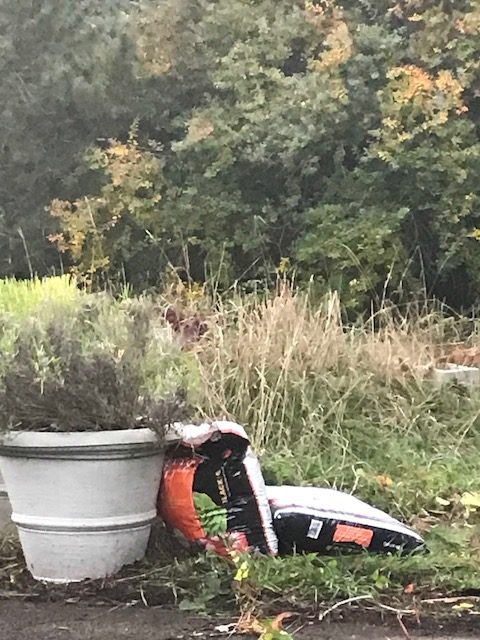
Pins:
x: 471, y: 500
x: 462, y: 606
x: 242, y: 573
x: 384, y: 481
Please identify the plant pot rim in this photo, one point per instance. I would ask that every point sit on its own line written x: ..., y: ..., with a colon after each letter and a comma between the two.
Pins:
x: 77, y: 438
x: 109, y: 443
x: 119, y: 443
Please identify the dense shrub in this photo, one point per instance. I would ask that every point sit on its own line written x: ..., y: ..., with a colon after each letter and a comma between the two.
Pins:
x: 344, y: 136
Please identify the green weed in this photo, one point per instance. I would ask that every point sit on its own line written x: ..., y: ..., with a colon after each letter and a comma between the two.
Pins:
x: 23, y: 297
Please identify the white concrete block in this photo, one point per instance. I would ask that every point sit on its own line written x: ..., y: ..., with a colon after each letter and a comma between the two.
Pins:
x: 469, y: 376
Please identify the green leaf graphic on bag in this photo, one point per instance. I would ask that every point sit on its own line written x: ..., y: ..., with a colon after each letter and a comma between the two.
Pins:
x: 212, y: 517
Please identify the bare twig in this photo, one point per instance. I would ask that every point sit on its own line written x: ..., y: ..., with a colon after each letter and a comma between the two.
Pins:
x: 402, y: 612
x: 403, y: 627
x: 142, y: 595
x: 449, y: 600
x: 12, y: 594
x: 342, y: 603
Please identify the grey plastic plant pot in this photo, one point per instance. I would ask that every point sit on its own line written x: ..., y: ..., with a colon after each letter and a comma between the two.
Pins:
x: 83, y: 503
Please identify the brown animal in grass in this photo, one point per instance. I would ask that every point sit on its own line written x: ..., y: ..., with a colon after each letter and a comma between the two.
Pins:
x: 188, y: 329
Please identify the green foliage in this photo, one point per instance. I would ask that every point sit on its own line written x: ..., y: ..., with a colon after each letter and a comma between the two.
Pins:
x: 96, y: 365
x: 346, y: 139
x: 343, y: 136
x: 20, y: 299
x: 325, y: 405
x: 298, y: 578
x: 67, y: 78
x: 212, y: 517
x: 24, y: 297
x: 354, y: 258
x: 99, y: 232
x: 328, y: 405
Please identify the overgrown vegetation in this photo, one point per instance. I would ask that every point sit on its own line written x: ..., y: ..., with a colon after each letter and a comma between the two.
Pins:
x: 330, y: 404
x: 239, y: 142
x: 353, y: 407
x: 87, y: 362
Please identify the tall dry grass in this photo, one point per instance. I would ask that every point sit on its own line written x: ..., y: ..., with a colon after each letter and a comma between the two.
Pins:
x: 280, y: 363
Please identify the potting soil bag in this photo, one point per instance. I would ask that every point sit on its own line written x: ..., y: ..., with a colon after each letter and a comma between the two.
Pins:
x: 213, y: 493
x: 314, y: 520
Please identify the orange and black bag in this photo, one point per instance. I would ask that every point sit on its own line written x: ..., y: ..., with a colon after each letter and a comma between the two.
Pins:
x: 213, y: 494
